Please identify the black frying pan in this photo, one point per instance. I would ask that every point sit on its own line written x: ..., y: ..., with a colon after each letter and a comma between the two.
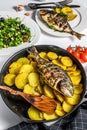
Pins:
x: 20, y: 106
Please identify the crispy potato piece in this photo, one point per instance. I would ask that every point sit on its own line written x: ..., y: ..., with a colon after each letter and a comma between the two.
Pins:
x: 78, y: 89
x: 74, y: 100
x: 57, y: 10
x: 59, y: 96
x: 59, y: 106
x: 76, y: 79
x: 34, y: 79
x: 30, y: 90
x: 52, y: 55
x: 66, y: 10
x: 43, y: 55
x: 59, y: 110
x: 57, y: 62
x: 48, y: 91
x: 71, y: 16
x: 50, y: 117
x: 74, y: 73
x: 9, y: 79
x: 67, y: 61
x: 23, y: 60
x: 71, y: 68
x: 34, y: 114
x: 26, y: 68
x: 67, y: 107
x: 77, y: 72
x: 14, y: 68
x: 21, y: 80
x: 60, y: 113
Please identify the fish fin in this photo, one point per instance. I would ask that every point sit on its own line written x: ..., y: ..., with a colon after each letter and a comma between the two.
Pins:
x: 78, y: 35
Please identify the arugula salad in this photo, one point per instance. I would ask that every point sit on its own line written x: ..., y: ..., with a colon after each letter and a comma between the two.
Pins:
x: 13, y: 32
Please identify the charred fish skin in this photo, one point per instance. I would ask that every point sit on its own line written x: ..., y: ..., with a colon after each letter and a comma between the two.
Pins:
x: 53, y: 75
x: 58, y: 22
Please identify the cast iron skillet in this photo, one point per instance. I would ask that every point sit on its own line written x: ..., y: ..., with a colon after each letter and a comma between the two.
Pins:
x: 17, y: 104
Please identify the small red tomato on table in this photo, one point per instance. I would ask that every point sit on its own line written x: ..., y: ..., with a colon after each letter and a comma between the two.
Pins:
x: 79, y: 52
x: 83, y: 56
x: 70, y: 49
x: 76, y: 54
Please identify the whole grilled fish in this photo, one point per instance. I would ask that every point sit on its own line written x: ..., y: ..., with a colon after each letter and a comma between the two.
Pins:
x: 58, y: 22
x: 53, y: 75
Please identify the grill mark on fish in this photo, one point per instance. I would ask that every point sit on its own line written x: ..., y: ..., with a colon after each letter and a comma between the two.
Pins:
x: 58, y: 22
x: 53, y: 75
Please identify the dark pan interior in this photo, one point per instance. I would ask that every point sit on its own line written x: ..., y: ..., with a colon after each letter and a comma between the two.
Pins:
x: 16, y: 103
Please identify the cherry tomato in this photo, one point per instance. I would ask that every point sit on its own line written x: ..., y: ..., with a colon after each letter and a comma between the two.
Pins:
x: 79, y: 48
x: 83, y: 57
x: 76, y: 54
x: 70, y: 49
x: 85, y: 50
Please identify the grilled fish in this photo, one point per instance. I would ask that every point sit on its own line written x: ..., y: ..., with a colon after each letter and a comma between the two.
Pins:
x: 53, y: 75
x: 58, y: 22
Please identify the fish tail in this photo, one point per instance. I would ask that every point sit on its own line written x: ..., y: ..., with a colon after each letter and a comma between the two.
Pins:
x: 78, y: 35
x: 34, y: 53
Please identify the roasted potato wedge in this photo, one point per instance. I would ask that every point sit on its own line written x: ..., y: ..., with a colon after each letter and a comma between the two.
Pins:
x: 57, y: 10
x: 34, y: 79
x: 52, y: 55
x: 78, y: 89
x: 30, y: 90
x: 9, y: 79
x: 67, y: 61
x: 71, y: 68
x: 48, y: 91
x: 76, y: 79
x: 67, y: 107
x: 23, y: 60
x: 57, y: 62
x: 49, y: 117
x: 59, y: 96
x: 21, y: 80
x: 26, y: 68
x: 43, y: 55
x: 14, y: 68
x: 59, y: 110
x: 74, y: 100
x: 34, y: 114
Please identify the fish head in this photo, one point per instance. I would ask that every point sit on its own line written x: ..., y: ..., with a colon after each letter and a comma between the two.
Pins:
x: 66, y: 88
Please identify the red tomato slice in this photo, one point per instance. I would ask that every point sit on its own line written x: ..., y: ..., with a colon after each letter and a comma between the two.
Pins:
x: 79, y: 48
x: 83, y: 57
x: 85, y: 50
x: 76, y: 54
x: 70, y: 49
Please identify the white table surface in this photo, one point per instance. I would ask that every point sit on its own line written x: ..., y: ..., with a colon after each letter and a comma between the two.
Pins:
x: 7, y: 117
